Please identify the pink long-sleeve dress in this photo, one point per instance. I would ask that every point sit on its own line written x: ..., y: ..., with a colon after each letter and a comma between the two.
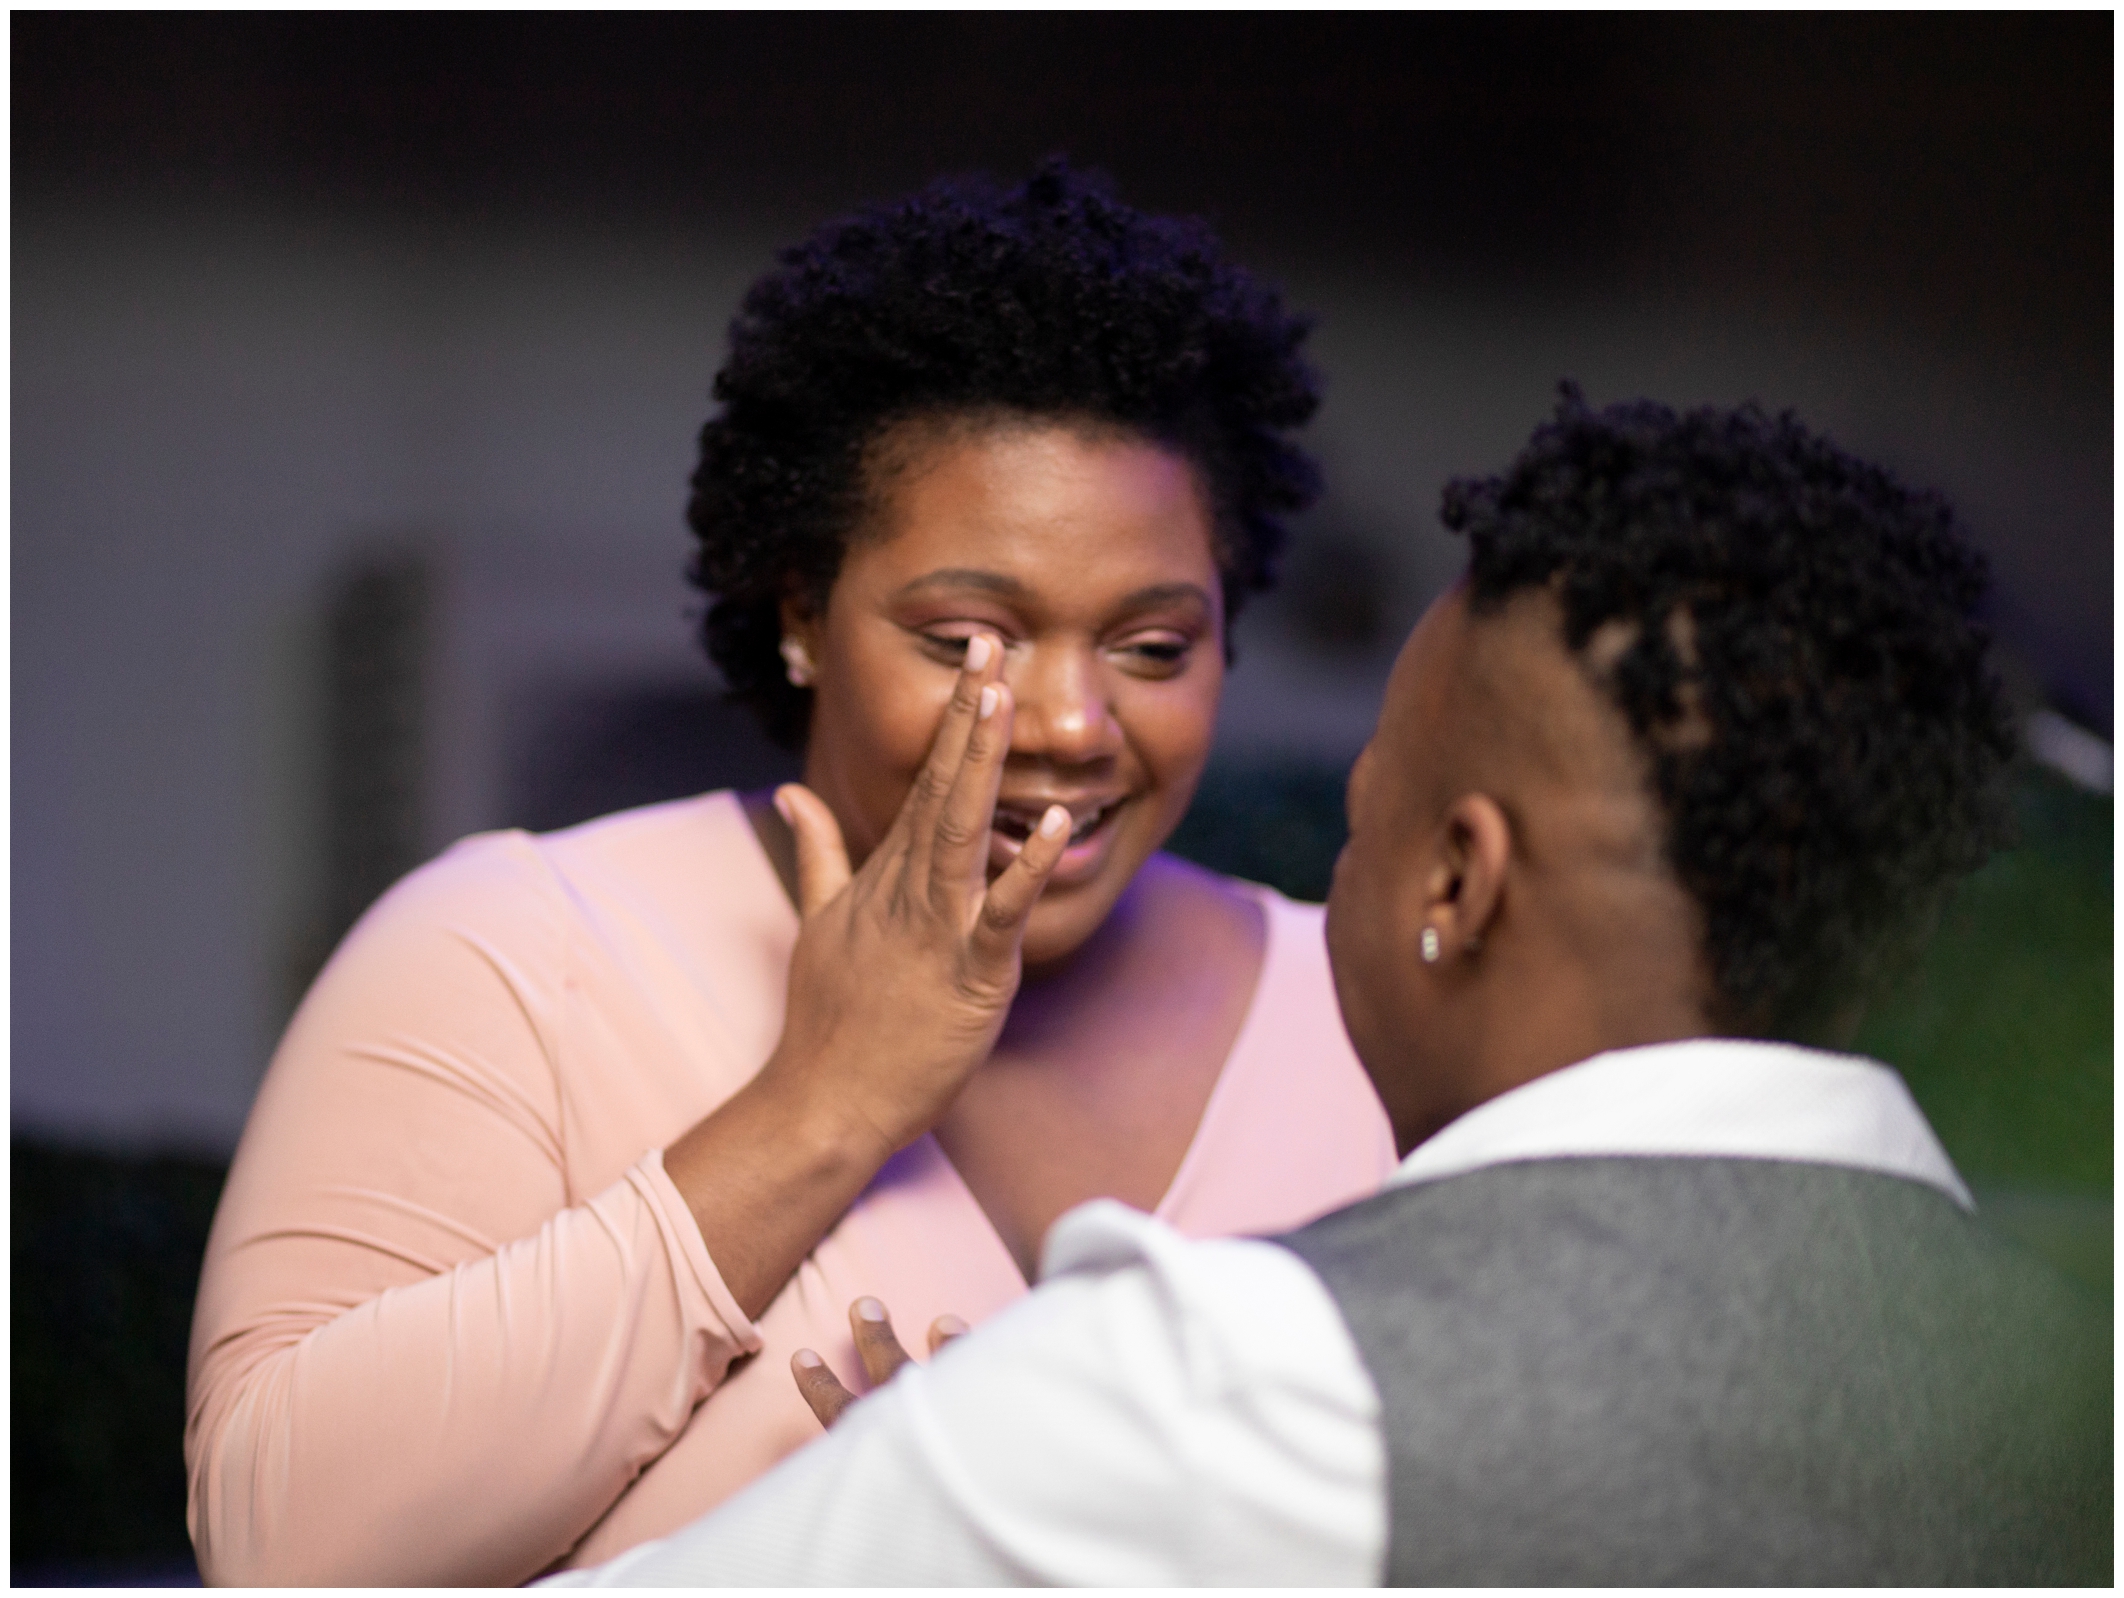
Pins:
x: 457, y: 1326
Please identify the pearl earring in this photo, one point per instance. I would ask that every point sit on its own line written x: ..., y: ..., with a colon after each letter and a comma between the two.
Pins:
x: 796, y: 660
x: 1429, y: 945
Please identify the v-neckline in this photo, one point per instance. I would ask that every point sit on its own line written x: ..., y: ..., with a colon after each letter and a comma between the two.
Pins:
x: 1263, y: 899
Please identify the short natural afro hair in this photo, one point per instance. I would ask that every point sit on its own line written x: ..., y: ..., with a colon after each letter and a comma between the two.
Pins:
x: 1050, y: 301
x: 1802, y: 670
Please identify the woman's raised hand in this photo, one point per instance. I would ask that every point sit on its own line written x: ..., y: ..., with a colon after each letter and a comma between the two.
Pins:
x: 902, y: 976
x: 904, y: 970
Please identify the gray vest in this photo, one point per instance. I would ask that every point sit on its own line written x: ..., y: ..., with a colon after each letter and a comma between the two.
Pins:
x: 1653, y: 1371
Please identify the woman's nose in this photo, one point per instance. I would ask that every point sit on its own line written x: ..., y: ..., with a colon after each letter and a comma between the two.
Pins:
x: 1063, y: 709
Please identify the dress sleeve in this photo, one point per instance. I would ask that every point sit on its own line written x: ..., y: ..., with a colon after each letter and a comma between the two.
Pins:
x: 418, y: 1357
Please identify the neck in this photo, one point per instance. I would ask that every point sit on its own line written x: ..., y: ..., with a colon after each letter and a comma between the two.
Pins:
x: 1520, y: 1018
x: 777, y: 842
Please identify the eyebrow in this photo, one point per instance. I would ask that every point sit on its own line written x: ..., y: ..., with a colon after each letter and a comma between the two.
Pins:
x: 964, y: 577
x: 1010, y: 588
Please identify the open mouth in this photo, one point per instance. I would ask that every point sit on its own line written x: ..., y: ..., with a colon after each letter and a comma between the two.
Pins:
x: 1016, y: 822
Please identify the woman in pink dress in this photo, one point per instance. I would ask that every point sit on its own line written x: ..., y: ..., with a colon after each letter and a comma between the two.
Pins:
x: 579, y: 1137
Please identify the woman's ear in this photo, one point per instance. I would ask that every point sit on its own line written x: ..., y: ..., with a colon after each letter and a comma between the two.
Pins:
x: 800, y: 638
x: 1468, y: 880
x: 800, y: 616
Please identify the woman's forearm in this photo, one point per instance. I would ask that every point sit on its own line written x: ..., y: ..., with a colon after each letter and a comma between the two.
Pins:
x: 767, y: 1175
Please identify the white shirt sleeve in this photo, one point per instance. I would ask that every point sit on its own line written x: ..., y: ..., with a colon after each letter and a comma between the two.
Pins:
x: 1158, y: 1412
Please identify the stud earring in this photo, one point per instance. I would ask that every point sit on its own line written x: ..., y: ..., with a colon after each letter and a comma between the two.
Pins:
x: 796, y: 661
x: 1429, y: 945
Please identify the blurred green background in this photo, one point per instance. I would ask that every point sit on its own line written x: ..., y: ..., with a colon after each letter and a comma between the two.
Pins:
x: 2003, y: 1032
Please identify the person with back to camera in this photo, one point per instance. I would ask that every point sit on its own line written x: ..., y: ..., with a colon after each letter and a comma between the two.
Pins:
x: 1660, y: 790
x: 572, y: 1126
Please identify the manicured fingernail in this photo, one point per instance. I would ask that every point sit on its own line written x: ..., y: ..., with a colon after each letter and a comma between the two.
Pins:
x: 989, y: 697
x: 950, y: 1326
x: 1054, y: 821
x: 869, y: 1309
x: 782, y: 806
x: 806, y: 1358
x: 977, y: 651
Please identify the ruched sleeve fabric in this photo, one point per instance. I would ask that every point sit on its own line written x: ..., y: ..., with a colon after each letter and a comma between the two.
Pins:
x: 457, y: 1326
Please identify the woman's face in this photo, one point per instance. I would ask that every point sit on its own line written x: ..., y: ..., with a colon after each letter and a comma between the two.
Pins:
x: 1088, y: 555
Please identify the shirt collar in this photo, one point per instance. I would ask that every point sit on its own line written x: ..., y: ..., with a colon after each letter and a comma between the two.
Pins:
x: 1716, y: 1098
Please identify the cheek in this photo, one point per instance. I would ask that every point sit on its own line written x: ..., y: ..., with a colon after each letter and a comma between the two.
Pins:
x: 879, y: 725
x: 1171, y: 732
x: 902, y: 724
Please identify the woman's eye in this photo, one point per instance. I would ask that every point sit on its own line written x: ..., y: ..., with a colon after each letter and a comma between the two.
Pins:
x: 1158, y: 653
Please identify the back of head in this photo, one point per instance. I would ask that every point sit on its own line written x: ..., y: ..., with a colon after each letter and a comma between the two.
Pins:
x: 1789, y: 633
x: 1049, y: 301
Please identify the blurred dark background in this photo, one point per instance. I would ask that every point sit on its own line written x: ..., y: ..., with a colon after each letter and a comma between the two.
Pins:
x: 357, y: 360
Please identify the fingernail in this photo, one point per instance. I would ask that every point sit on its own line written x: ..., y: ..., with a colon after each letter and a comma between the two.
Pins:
x: 806, y: 1358
x: 950, y: 1325
x: 782, y: 808
x: 1054, y: 821
x: 869, y: 1309
x: 989, y: 696
x: 978, y: 649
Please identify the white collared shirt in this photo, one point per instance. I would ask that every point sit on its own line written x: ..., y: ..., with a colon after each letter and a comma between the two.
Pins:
x: 1166, y: 1412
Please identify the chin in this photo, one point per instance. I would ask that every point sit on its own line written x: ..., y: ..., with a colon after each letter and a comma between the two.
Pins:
x: 1070, y: 911
x: 1058, y: 928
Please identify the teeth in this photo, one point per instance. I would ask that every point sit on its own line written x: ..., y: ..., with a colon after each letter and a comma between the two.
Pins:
x: 1018, y: 824
x: 1084, y: 828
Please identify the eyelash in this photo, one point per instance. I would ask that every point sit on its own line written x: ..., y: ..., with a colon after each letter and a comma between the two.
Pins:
x: 1166, y: 654
x: 1160, y: 653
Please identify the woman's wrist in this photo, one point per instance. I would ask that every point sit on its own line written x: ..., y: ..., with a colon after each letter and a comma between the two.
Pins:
x: 767, y: 1173
x: 829, y: 1136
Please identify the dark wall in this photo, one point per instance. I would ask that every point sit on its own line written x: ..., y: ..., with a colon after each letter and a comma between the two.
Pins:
x: 1945, y: 176
x: 1952, y: 167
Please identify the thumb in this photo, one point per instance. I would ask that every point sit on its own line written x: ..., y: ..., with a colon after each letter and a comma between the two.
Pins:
x: 822, y: 858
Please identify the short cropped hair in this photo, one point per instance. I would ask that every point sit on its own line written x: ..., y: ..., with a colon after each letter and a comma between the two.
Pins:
x: 1802, y: 667
x: 1048, y: 301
